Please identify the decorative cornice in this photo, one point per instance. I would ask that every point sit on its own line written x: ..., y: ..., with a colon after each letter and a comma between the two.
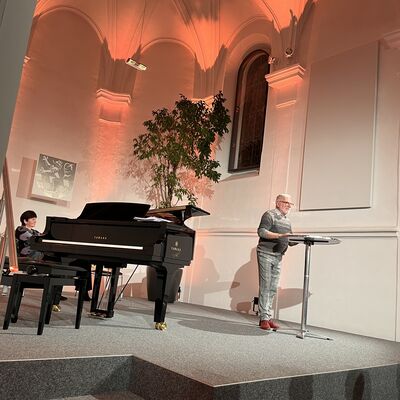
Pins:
x: 208, y: 100
x: 286, y: 104
x: 392, y: 40
x: 112, y: 105
x: 104, y: 94
x: 286, y: 76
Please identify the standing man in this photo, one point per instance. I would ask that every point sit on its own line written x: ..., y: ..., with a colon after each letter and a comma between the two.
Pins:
x: 273, y: 231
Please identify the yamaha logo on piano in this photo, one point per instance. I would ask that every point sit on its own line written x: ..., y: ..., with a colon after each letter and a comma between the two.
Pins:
x: 96, y: 237
x: 176, y: 249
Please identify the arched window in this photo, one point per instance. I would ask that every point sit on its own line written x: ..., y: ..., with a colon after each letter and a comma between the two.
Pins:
x: 249, y: 116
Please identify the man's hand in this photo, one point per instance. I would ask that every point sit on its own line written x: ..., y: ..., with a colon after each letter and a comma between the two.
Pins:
x: 284, y: 234
x: 275, y: 235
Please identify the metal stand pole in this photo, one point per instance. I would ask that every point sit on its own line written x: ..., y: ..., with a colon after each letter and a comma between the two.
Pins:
x: 304, y: 331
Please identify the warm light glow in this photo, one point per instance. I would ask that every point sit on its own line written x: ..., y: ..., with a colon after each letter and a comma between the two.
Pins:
x: 112, y: 105
x: 108, y: 142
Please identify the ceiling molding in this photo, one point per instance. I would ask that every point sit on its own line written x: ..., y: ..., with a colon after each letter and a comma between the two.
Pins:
x: 286, y: 76
x: 166, y: 39
x: 265, y: 6
x: 392, y: 40
x: 74, y: 10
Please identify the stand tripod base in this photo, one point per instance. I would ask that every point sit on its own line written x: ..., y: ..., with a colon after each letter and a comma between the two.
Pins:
x: 303, y: 333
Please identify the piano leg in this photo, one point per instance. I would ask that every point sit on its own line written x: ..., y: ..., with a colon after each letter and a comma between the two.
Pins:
x: 165, y: 277
x: 96, y: 287
x: 82, y: 290
x: 114, y: 274
x: 113, y: 291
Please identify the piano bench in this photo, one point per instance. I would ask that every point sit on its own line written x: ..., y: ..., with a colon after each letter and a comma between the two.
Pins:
x: 21, y: 280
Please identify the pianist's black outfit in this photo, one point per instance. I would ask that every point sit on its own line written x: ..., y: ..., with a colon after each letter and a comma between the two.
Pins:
x: 23, y: 235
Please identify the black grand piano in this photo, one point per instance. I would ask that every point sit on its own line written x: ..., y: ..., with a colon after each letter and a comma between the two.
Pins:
x: 111, y: 235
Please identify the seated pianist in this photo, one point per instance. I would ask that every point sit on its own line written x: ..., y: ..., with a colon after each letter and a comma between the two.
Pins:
x: 23, y: 234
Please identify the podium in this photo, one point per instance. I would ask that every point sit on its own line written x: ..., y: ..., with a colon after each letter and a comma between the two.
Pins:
x: 308, y: 241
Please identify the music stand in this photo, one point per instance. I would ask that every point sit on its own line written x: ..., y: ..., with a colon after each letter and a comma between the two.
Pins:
x: 308, y: 241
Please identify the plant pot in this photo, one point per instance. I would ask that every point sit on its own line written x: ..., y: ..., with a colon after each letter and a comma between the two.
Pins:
x: 171, y: 290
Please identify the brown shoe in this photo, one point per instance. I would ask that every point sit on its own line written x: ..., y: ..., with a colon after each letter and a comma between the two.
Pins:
x: 273, y: 325
x: 265, y: 325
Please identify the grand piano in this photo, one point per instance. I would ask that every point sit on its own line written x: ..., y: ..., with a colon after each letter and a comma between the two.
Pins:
x: 112, y: 235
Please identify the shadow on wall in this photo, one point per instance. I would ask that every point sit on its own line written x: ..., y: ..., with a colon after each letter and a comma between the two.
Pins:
x: 245, y: 287
x: 135, y: 289
x: 140, y: 173
x: 286, y: 298
x: 205, y: 278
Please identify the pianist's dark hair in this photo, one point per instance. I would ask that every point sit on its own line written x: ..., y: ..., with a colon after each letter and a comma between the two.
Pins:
x: 27, y: 215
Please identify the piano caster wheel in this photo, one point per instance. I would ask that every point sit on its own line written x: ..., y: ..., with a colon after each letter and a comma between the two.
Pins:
x: 161, y: 326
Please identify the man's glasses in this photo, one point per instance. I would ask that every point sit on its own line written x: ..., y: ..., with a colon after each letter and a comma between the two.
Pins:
x: 287, y: 203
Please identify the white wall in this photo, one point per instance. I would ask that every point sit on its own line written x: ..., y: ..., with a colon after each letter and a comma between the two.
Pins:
x: 351, y: 282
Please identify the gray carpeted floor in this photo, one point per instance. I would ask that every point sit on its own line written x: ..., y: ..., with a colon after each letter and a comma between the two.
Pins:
x: 213, y: 346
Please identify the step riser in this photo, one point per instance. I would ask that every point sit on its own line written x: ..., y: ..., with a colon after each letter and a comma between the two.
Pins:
x: 73, y: 377
x: 58, y: 378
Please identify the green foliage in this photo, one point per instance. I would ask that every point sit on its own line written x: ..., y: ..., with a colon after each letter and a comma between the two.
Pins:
x: 182, y: 140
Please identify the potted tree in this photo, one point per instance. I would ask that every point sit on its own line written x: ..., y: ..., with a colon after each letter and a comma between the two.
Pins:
x: 177, y: 154
x: 178, y: 145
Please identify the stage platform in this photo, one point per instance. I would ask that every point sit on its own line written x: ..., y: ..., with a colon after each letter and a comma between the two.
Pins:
x: 205, y: 353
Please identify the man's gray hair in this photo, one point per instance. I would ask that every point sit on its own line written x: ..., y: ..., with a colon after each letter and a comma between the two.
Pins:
x: 283, y: 196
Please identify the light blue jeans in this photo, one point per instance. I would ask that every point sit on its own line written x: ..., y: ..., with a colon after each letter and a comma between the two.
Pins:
x: 269, y: 271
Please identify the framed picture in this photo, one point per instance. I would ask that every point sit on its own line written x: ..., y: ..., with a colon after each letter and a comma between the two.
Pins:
x: 54, y: 178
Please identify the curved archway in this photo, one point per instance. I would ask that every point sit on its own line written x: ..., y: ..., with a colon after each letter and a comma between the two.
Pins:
x: 249, y: 112
x: 170, y: 71
x: 56, y: 102
x: 40, y: 14
x: 249, y: 37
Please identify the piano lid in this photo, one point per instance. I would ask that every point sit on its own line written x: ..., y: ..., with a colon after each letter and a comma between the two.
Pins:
x: 114, y: 211
x: 178, y: 214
